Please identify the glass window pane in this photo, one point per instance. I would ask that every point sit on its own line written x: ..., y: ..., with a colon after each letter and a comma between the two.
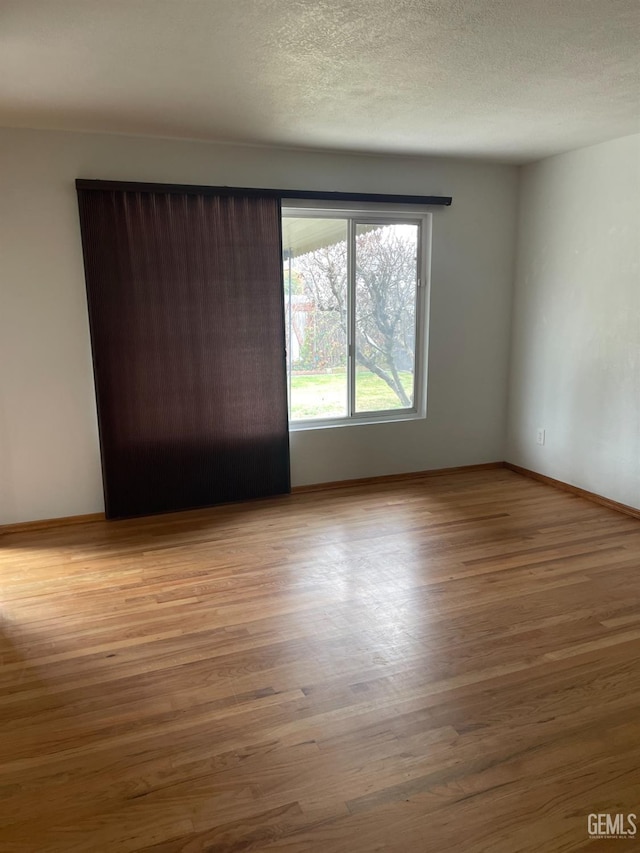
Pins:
x: 315, y: 282
x: 385, y: 315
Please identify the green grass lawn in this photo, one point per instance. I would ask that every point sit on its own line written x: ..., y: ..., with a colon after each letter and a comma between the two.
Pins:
x: 325, y: 395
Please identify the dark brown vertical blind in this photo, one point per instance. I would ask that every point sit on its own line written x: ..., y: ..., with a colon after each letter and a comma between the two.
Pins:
x: 186, y: 314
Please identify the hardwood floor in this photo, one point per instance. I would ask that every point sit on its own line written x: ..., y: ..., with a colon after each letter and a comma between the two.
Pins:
x: 432, y: 665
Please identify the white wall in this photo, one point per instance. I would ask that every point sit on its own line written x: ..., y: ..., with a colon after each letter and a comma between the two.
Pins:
x: 575, y: 367
x: 49, y: 456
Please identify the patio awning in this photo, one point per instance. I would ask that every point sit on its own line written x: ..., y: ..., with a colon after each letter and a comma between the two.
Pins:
x: 304, y: 234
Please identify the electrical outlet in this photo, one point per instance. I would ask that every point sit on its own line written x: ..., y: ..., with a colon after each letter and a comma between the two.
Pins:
x: 540, y: 435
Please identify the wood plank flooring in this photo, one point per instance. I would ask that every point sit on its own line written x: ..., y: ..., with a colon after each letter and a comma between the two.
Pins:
x: 442, y: 664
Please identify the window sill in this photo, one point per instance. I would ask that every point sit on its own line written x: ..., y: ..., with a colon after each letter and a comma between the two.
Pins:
x: 363, y: 420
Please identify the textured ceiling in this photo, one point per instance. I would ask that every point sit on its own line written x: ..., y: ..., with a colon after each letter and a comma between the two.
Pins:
x: 504, y: 79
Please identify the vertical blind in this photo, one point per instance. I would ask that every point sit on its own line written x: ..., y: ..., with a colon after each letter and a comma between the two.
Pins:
x: 186, y: 315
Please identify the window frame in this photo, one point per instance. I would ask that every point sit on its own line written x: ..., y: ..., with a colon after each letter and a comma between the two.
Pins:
x: 367, y: 214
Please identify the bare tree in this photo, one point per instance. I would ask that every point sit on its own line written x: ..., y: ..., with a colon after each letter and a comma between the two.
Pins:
x: 385, y: 298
